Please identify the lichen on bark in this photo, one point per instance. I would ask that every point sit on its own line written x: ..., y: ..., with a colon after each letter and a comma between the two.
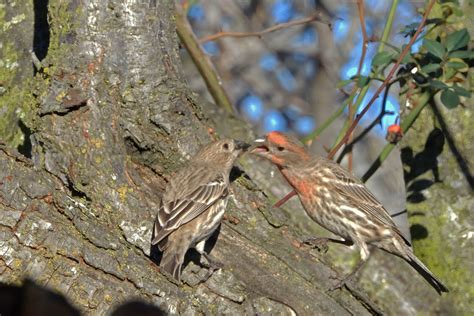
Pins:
x: 440, y: 187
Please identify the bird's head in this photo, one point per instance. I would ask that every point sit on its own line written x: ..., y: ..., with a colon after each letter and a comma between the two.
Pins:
x: 221, y: 152
x: 281, y: 149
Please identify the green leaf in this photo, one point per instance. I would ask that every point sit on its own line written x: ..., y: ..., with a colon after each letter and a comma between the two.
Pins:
x: 434, y: 48
x: 438, y: 84
x: 457, y: 40
x: 430, y: 68
x: 457, y: 64
x: 463, y: 54
x: 382, y: 58
x: 449, y: 73
x: 406, y: 59
x: 449, y: 98
x: 461, y: 91
x: 343, y: 83
x: 409, y: 30
x: 362, y: 81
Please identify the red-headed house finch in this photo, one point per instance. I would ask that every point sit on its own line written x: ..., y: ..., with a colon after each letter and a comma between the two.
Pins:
x: 193, y: 204
x: 339, y: 202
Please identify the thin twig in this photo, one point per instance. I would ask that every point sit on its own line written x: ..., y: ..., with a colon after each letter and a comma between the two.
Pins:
x: 316, y: 17
x: 377, y: 120
x: 365, y: 42
x: 386, y: 81
x: 285, y: 198
x: 365, y: 38
x: 202, y: 62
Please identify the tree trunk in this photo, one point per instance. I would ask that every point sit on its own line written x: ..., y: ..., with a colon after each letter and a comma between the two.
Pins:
x: 110, y: 118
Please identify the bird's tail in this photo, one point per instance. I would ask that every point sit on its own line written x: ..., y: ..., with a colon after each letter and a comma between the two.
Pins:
x: 174, y: 250
x: 426, y: 273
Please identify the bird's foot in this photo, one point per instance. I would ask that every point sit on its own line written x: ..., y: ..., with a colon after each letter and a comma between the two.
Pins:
x: 339, y: 283
x: 319, y: 243
x: 212, y: 265
x: 348, y: 280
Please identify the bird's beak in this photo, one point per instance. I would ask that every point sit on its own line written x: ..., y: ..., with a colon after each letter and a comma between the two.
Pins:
x: 259, y: 147
x: 240, y: 145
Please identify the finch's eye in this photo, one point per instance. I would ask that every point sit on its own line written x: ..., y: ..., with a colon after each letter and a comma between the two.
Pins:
x: 279, y: 148
x: 225, y: 146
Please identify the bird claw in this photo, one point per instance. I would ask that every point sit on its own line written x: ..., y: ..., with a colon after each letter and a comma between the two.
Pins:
x: 319, y: 243
x: 211, y: 265
x: 340, y: 282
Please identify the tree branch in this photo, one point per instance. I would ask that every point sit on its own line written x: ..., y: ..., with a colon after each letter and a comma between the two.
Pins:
x: 316, y: 17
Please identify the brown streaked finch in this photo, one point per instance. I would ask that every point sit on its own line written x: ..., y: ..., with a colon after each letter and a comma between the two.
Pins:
x: 194, y: 203
x: 339, y: 202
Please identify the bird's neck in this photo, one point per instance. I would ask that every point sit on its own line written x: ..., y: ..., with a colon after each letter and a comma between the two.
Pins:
x: 297, y: 180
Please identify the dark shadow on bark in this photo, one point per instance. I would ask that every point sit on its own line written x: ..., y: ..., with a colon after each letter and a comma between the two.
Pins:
x: 141, y: 308
x: 418, y: 231
x: 420, y: 163
x: 41, y: 34
x: 26, y: 147
x: 31, y: 299
x: 425, y: 160
x: 235, y: 173
x: 416, y: 197
x: 419, y: 185
x: 463, y: 166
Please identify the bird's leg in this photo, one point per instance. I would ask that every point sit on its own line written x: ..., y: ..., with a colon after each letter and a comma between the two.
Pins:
x: 321, y: 243
x: 364, y: 254
x: 212, y: 264
x: 340, y: 282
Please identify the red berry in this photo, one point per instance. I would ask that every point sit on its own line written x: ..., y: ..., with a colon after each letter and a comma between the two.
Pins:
x: 395, y: 128
x: 394, y: 133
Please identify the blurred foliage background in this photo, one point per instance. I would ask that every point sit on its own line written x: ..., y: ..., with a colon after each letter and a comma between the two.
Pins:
x: 271, y: 79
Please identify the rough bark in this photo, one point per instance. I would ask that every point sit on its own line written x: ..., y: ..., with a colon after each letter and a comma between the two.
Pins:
x: 110, y: 121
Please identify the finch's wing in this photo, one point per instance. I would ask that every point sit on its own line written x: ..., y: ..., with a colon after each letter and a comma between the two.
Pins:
x: 356, y: 192
x: 188, y: 206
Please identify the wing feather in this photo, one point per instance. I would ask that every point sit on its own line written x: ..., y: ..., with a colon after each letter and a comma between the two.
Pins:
x: 359, y: 196
x: 183, y: 209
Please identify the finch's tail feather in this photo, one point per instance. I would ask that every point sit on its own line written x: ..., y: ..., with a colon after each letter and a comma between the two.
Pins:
x: 174, y: 249
x: 426, y: 273
x: 171, y: 263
